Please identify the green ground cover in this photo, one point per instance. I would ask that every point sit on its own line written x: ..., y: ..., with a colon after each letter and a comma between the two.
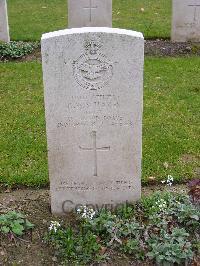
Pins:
x: 162, y: 229
x: 170, y: 126
x: 29, y: 19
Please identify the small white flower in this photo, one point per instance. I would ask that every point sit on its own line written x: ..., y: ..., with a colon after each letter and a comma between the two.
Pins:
x: 162, y: 205
x: 54, y: 226
x: 86, y: 213
x: 170, y: 178
x: 50, y: 227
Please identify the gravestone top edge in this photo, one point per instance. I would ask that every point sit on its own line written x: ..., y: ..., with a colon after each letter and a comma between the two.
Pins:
x: 92, y: 30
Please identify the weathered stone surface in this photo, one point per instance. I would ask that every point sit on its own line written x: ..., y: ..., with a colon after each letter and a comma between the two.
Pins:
x: 89, y: 13
x: 93, y: 83
x: 186, y: 20
x: 4, y: 29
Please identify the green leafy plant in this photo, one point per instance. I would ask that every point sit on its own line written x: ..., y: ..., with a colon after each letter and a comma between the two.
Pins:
x: 162, y: 227
x: 74, y: 246
x: 126, y: 211
x: 133, y: 247
x: 168, y: 249
x: 15, y: 50
x: 14, y: 223
x: 189, y: 215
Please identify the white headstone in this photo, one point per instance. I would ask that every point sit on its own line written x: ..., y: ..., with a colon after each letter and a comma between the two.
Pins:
x: 89, y: 13
x: 93, y: 83
x: 4, y: 30
x: 186, y: 20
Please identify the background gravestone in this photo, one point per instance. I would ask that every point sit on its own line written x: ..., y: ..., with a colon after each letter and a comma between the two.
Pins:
x: 89, y: 13
x: 93, y: 82
x: 4, y: 29
x: 186, y: 20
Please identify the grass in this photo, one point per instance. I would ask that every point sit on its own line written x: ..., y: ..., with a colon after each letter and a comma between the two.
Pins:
x: 29, y: 19
x: 153, y: 22
x: 170, y: 126
x: 171, y: 117
x: 23, y: 127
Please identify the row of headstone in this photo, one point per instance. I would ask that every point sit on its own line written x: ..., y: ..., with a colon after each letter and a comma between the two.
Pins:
x: 98, y: 13
x: 4, y: 29
x: 92, y: 13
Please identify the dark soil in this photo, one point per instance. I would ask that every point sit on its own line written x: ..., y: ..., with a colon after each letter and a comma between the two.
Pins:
x: 31, y: 250
x: 168, y: 48
x: 152, y: 48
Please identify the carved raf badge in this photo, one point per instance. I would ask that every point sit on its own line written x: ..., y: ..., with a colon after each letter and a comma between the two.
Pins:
x: 92, y: 70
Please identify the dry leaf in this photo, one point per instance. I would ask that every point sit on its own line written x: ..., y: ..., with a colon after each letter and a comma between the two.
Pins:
x: 103, y: 250
x: 166, y: 165
x: 151, y: 178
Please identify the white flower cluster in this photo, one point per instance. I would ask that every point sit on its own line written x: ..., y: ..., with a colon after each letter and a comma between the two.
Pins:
x: 169, y: 180
x: 86, y: 213
x: 54, y: 226
x: 162, y: 205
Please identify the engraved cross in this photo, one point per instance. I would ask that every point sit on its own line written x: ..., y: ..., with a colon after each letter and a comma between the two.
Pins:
x: 95, y: 149
x: 195, y: 11
x: 90, y: 8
